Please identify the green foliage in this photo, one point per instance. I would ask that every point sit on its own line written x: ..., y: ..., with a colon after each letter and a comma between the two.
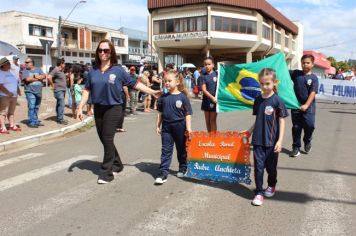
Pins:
x: 343, y: 65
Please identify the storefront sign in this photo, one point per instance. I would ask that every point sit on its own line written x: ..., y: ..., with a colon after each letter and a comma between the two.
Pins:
x: 222, y: 157
x: 188, y: 35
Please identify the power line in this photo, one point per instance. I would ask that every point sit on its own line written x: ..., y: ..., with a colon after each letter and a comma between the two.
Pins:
x: 335, y: 44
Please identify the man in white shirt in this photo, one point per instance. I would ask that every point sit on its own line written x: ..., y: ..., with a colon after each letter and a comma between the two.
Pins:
x: 15, y: 68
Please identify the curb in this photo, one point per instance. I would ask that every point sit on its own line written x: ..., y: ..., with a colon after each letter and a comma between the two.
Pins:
x: 38, y: 139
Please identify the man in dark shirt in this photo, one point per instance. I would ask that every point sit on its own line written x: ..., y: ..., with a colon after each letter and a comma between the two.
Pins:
x: 57, y: 80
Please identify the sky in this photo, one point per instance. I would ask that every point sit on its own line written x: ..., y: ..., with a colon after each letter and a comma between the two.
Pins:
x: 329, y: 25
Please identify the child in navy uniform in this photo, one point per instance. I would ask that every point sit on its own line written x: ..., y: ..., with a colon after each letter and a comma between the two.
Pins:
x: 268, y: 132
x: 175, y: 117
x: 305, y: 88
x: 208, y: 87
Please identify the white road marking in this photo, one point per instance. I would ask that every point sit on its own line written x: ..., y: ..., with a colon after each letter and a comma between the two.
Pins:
x: 38, y: 173
x: 327, y: 215
x: 20, y: 158
x: 53, y: 206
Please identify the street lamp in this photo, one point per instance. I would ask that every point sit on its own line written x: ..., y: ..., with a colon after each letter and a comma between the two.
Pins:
x: 59, y: 36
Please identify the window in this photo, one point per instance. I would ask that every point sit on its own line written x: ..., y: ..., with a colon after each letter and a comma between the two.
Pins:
x: 81, y: 54
x: 74, y: 54
x: 286, y: 42
x: 67, y: 53
x: 277, y: 36
x: 226, y: 24
x: 217, y: 21
x: 178, y: 25
x: 39, y: 30
x: 170, y: 26
x: 118, y: 41
x: 235, y: 25
x: 266, y: 32
x: 87, y: 55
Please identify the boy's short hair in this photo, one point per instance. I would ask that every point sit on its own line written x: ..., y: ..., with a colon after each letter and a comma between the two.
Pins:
x: 305, y: 56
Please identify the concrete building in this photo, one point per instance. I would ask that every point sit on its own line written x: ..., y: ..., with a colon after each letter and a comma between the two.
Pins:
x: 234, y: 31
x: 79, y: 41
x: 139, y: 50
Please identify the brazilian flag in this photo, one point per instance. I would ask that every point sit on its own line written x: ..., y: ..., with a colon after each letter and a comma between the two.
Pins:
x: 238, y: 84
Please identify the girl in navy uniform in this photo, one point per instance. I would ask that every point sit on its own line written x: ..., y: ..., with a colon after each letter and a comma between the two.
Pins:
x: 268, y: 132
x: 104, y: 85
x: 175, y: 117
x: 209, y: 82
x: 305, y: 88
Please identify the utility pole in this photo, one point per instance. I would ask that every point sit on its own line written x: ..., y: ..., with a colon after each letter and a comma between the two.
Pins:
x: 59, y: 38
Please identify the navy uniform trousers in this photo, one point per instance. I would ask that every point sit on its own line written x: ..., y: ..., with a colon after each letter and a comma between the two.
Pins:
x: 173, y: 133
x: 264, y: 157
x: 302, y: 121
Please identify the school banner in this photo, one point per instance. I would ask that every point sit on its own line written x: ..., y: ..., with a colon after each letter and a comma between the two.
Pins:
x: 238, y: 85
x: 219, y: 157
x: 337, y: 90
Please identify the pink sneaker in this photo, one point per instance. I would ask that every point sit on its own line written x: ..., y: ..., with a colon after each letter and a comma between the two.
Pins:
x: 258, y: 200
x: 270, y: 191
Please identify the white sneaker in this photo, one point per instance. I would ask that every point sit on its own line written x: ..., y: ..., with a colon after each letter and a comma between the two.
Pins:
x: 101, y: 181
x: 181, y: 173
x: 270, y: 191
x: 258, y: 200
x: 161, y: 179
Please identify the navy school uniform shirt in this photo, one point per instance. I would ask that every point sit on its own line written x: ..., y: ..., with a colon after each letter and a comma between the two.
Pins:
x: 304, y: 85
x: 210, y: 80
x: 267, y: 112
x: 174, y: 107
x: 106, y: 88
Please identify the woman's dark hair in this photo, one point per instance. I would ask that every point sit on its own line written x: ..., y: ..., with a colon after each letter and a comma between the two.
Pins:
x: 308, y: 56
x: 113, y: 58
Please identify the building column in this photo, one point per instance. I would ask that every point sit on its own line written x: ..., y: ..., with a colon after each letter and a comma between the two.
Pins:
x: 160, y: 55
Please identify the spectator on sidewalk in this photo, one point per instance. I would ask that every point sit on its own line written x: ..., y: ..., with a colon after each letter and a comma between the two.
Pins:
x: 33, y: 78
x: 57, y: 80
x: 9, y: 90
x: 15, y: 68
x: 133, y: 92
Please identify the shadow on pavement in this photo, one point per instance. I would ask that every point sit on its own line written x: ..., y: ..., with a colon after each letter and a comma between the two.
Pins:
x: 153, y: 169
x: 88, y: 165
x: 150, y: 168
x: 319, y: 171
x: 343, y: 112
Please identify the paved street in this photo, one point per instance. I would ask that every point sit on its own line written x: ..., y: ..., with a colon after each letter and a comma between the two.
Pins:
x: 51, y: 189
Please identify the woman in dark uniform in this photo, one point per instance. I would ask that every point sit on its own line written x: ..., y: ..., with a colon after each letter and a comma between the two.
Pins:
x: 104, y: 85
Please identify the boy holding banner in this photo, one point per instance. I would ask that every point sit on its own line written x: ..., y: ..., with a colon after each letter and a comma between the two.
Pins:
x: 305, y: 88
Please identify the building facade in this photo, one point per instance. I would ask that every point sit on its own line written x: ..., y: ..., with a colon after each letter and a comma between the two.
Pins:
x: 231, y: 31
x: 139, y: 50
x: 78, y: 41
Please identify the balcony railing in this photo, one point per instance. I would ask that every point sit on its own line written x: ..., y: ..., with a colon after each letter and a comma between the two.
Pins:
x: 70, y: 43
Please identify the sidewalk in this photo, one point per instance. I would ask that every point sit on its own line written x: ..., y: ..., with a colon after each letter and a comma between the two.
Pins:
x: 47, y: 116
